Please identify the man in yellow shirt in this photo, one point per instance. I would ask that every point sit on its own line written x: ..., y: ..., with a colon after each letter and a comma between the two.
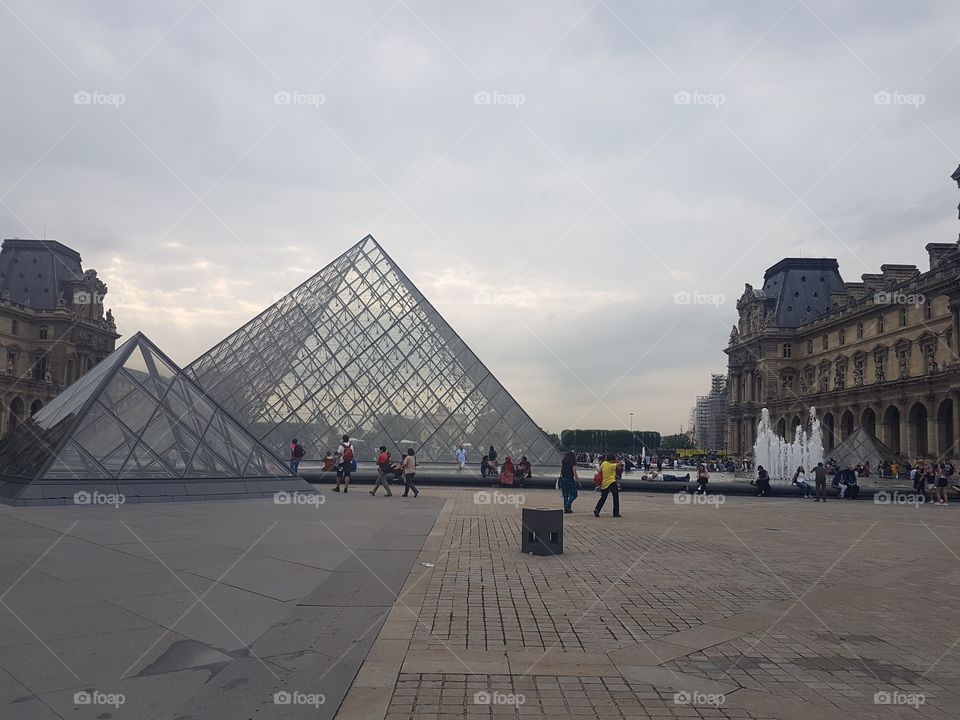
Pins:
x: 609, y: 468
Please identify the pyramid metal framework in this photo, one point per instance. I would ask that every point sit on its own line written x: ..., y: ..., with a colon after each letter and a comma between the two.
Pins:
x: 358, y: 349
x: 136, y: 426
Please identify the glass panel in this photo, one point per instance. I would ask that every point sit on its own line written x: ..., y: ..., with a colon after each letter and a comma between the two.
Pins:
x: 105, y: 439
x: 143, y: 464
x: 73, y: 463
x: 207, y: 464
x: 170, y: 440
x: 135, y: 407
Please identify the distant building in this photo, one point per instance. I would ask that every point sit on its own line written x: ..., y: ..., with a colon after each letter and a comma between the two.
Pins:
x: 711, y: 416
x: 881, y: 354
x: 52, y: 325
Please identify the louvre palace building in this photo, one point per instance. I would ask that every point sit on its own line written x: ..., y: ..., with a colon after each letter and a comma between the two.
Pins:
x: 881, y: 354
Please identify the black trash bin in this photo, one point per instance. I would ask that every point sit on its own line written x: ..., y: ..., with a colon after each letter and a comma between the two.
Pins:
x: 542, y: 531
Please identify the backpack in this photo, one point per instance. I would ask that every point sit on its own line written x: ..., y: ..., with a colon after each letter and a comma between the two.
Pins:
x: 298, y: 451
x: 347, y: 454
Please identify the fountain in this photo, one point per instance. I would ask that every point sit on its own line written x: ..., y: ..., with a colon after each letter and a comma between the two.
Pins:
x: 782, y: 458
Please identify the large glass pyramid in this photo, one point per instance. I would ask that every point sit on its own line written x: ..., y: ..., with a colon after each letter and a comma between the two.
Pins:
x: 357, y: 349
x: 136, y: 426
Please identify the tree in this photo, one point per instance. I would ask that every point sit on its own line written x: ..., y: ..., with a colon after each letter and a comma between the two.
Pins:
x: 618, y: 441
x: 675, y: 442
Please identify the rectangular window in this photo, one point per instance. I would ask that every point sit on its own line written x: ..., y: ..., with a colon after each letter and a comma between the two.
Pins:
x: 843, y: 335
x: 43, y: 332
x: 928, y: 308
x: 903, y: 317
x: 810, y: 346
x: 860, y: 330
x: 880, y: 323
x: 880, y: 367
x: 787, y: 350
x: 840, y: 379
x: 14, y: 327
x: 826, y: 341
x: 859, y: 366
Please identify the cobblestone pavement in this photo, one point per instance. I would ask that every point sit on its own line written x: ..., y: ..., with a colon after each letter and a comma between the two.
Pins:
x: 744, y: 607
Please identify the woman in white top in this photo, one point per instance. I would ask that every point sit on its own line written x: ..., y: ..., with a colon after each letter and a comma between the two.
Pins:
x: 409, y: 466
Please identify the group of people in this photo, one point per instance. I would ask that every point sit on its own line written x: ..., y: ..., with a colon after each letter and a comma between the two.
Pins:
x: 606, y: 481
x: 345, y: 463
x: 508, y: 474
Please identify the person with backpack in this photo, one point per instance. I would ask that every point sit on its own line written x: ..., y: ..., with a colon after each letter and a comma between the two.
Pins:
x: 344, y: 457
x: 296, y: 455
x: 383, y: 467
x: 609, y: 469
x: 409, y: 466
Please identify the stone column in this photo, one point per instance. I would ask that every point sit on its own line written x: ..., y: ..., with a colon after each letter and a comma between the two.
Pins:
x: 954, y: 450
x: 933, y: 435
x: 955, y: 316
x: 904, y: 434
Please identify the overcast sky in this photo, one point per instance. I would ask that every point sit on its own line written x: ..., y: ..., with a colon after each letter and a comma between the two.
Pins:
x: 550, y: 173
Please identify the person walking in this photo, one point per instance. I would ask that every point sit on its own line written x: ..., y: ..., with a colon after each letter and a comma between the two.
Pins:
x: 296, y: 455
x: 820, y: 480
x: 569, y: 481
x: 608, y: 468
x: 942, y: 482
x: 344, y: 457
x: 409, y: 466
x: 461, y: 458
x: 763, y: 481
x: 383, y: 467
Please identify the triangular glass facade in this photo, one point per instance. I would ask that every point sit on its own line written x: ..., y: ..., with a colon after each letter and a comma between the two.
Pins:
x: 357, y: 349
x: 138, y: 425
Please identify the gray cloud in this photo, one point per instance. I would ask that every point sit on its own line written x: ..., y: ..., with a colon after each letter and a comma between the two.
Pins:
x: 598, y: 193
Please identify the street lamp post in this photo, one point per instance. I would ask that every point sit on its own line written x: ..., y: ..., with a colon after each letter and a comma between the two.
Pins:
x: 632, y: 436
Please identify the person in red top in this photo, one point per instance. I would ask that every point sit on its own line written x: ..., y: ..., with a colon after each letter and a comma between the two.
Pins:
x: 506, y: 472
x: 383, y: 467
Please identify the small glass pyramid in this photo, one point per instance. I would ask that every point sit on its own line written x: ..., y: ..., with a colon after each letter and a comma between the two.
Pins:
x: 138, y: 426
x: 357, y: 349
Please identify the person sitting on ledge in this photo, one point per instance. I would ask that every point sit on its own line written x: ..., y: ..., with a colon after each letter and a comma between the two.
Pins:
x: 328, y: 461
x: 524, y: 469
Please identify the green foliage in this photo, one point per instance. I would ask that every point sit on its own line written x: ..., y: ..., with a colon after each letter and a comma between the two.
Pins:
x: 609, y: 440
x: 675, y: 442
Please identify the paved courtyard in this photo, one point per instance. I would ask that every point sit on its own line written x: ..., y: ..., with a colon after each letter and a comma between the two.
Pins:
x: 365, y: 608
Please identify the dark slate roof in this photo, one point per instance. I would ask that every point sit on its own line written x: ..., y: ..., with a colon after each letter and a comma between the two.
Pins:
x: 956, y: 175
x: 34, y: 270
x: 802, y: 288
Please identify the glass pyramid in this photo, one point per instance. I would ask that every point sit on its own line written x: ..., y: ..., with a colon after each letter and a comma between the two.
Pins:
x: 138, y: 426
x: 357, y: 349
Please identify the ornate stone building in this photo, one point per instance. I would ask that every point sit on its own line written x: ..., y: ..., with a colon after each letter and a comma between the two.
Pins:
x: 881, y: 353
x: 52, y: 325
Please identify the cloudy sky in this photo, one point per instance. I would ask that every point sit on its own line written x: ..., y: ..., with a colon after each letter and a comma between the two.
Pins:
x: 551, y: 173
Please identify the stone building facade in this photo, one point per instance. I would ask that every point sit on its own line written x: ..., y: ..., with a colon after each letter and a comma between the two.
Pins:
x: 53, y: 328
x: 881, y: 353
